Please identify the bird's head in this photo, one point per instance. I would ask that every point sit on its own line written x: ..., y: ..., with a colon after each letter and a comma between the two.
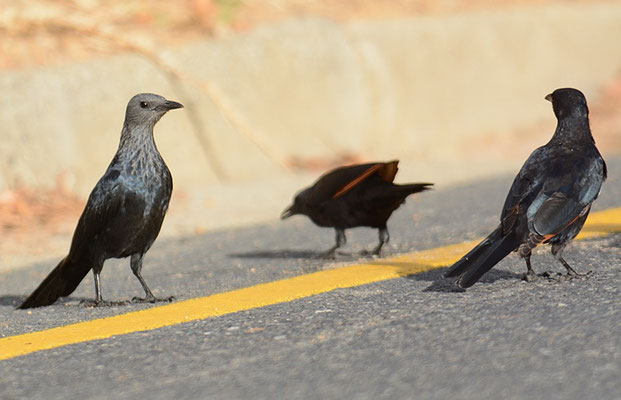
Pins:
x: 293, y: 209
x: 148, y: 108
x: 567, y: 102
x: 298, y: 206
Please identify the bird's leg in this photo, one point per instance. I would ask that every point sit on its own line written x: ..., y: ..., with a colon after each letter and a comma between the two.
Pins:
x: 384, y: 237
x: 99, y: 302
x: 530, y: 274
x: 340, y: 240
x: 557, y: 253
x: 136, y: 265
x: 96, y: 277
x: 570, y: 271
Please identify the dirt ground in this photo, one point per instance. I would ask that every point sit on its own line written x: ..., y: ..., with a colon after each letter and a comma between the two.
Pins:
x: 38, y: 224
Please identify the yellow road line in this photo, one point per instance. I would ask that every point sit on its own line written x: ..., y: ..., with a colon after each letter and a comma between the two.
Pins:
x: 599, y: 224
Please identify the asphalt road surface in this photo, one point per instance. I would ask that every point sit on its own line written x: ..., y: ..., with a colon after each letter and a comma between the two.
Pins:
x: 411, y: 337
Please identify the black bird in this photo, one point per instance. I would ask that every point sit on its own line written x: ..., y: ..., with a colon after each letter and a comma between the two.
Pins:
x: 125, y: 210
x: 550, y: 198
x: 357, y: 195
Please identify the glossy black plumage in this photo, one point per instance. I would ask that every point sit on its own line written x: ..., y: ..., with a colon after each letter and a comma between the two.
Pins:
x: 352, y: 196
x: 550, y: 197
x: 125, y: 210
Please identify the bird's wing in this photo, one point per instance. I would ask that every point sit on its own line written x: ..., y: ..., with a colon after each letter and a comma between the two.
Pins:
x: 389, y: 170
x: 341, y: 180
x: 526, y: 183
x: 563, y: 199
x: 554, y: 213
x: 386, y: 171
x: 104, y: 203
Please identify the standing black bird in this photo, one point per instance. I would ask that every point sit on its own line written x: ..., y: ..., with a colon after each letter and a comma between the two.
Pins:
x: 357, y: 195
x: 550, y: 198
x: 125, y: 210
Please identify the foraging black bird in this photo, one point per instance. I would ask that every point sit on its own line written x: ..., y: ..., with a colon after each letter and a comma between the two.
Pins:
x: 357, y: 195
x: 550, y: 198
x: 125, y: 210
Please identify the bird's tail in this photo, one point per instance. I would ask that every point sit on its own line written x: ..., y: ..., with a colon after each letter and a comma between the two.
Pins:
x: 483, y: 257
x: 61, y: 282
x: 410, y: 188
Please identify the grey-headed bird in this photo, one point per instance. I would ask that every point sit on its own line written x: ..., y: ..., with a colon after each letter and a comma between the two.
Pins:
x: 124, y: 212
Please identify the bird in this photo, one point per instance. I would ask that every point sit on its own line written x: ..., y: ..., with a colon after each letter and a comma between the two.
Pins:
x: 550, y: 197
x: 124, y: 212
x: 352, y: 196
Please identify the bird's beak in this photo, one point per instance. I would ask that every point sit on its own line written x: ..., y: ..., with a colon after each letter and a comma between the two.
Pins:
x: 171, y: 105
x: 288, y: 212
x: 549, y: 97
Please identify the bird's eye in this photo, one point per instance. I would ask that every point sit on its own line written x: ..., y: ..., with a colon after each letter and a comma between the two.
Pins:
x: 143, y: 104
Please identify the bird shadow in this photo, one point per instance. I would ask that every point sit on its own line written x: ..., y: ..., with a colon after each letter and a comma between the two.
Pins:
x: 289, y: 254
x: 436, y: 276
x: 284, y: 253
x: 15, y: 300
x: 11, y: 300
x: 438, y: 282
x: 441, y: 284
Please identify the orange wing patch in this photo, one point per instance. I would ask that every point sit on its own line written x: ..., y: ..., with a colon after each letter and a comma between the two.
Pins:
x: 362, y: 177
x: 389, y: 170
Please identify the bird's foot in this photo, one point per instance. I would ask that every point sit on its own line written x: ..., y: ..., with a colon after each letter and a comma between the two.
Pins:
x: 531, y: 276
x: 102, y: 303
x: 559, y: 277
x: 572, y: 274
x: 152, y: 299
x: 328, y: 255
x: 373, y: 253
